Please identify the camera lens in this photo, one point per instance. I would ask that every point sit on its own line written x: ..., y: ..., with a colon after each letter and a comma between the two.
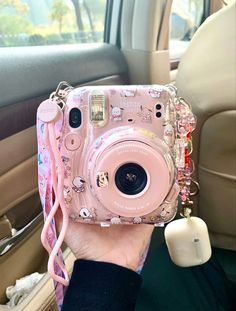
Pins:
x: 75, y: 117
x: 131, y: 178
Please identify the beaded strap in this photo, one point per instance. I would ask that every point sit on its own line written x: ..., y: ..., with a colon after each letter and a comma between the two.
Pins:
x: 185, y: 124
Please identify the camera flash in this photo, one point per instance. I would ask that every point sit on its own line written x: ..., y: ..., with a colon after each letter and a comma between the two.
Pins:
x: 97, y: 108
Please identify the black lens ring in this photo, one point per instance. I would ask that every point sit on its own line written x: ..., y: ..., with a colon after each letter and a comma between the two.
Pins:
x: 131, y: 178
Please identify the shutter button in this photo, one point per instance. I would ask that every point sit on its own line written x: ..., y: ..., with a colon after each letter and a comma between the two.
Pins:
x: 72, y: 142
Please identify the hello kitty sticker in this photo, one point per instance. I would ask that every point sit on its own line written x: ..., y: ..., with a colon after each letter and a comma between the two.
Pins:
x: 155, y: 92
x: 145, y: 114
x: 116, y: 220
x: 67, y: 194
x: 78, y: 184
x: 116, y: 113
x: 85, y: 213
x: 128, y: 93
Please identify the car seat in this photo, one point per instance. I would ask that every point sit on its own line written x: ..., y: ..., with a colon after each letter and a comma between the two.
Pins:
x: 207, y: 80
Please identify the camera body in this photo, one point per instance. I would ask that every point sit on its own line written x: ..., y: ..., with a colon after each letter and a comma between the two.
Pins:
x: 117, y: 148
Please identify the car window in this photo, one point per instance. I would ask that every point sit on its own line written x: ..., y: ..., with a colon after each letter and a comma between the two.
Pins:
x: 186, y: 17
x: 50, y: 22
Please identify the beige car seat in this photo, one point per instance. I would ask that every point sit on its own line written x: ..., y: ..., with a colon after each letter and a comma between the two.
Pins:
x: 207, y: 80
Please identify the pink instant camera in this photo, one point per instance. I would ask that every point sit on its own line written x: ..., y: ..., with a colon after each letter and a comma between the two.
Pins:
x: 118, y: 166
x: 112, y: 155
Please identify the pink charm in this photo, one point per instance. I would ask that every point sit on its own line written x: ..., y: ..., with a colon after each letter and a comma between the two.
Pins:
x: 49, y: 111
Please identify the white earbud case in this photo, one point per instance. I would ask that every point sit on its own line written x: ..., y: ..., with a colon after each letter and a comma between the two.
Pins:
x: 188, y: 241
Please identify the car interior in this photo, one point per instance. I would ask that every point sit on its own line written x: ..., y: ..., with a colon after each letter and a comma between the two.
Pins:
x: 143, y: 42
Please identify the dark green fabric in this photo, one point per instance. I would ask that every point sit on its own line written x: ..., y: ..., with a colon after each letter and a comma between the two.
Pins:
x: 167, y: 287
x: 227, y: 259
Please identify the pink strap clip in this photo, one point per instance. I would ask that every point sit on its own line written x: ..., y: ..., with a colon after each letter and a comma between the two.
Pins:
x: 51, y: 178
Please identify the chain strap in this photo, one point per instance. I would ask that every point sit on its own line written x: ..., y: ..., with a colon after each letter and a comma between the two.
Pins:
x: 185, y: 123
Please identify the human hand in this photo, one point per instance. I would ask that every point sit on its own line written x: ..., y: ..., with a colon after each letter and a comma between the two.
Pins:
x: 123, y: 245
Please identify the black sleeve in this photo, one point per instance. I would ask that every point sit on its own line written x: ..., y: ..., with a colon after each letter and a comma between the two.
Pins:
x: 100, y: 286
